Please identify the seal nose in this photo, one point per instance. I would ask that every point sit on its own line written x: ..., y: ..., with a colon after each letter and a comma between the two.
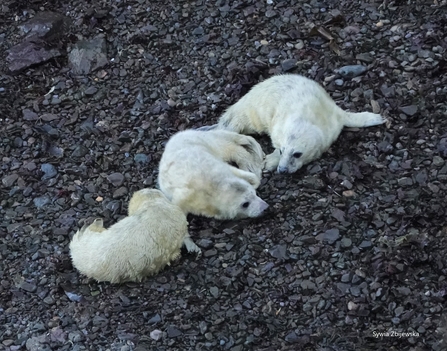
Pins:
x: 264, y: 206
x: 283, y: 169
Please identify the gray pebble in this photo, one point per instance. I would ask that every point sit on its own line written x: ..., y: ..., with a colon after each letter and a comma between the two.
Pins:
x: 352, y: 71
x: 49, y: 170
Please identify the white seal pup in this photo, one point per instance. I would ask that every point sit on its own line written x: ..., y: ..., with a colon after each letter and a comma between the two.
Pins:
x: 135, y: 247
x: 300, y: 117
x: 196, y: 174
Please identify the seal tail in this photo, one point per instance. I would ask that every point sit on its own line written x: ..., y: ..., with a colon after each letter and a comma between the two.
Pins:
x: 362, y: 119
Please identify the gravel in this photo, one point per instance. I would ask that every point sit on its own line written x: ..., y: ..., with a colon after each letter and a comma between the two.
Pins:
x: 352, y: 254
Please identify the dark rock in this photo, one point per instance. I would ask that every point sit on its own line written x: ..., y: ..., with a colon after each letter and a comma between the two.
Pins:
x: 410, y: 110
x: 88, y: 55
x: 47, y: 25
x: 205, y: 243
x: 29, y: 53
x: 288, y: 65
x: 29, y: 115
x: 365, y: 57
x: 331, y: 236
x: 279, y: 252
x: 79, y: 151
x: 38, y: 343
x: 155, y: 319
x: 198, y: 31
x: 30, y: 287
x: 116, y: 179
x: 41, y: 201
x: 120, y: 192
x: 90, y: 91
x: 49, y: 171
x: 308, y: 285
x: 346, y: 242
x: 9, y: 180
x: 173, y: 332
x: 214, y: 291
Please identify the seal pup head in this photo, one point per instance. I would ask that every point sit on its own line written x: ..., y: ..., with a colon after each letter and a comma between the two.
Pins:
x: 301, y: 147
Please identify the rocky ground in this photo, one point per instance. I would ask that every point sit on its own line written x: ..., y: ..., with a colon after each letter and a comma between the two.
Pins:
x: 352, y: 254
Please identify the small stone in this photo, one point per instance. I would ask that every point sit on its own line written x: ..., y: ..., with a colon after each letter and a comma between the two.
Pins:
x: 375, y: 106
x: 116, y: 179
x: 90, y: 91
x: 398, y: 311
x: 141, y: 158
x: 18, y: 142
x: 173, y: 332
x: 28, y: 286
x: 48, y: 117
x: 365, y: 57
x: 48, y: 25
x: 76, y: 336
x: 348, y: 193
x: 210, y: 253
x: 288, y: 65
x: 410, y: 110
x: 49, y: 171
x: 352, y: 71
x: 41, y: 201
x: 205, y: 243
x: 438, y: 161
x: 346, y: 242
x: 330, y: 236
x: 8, y: 342
x: 120, y: 192
x: 292, y: 338
x: 347, y: 184
x: 29, y: 115
x: 80, y: 151
x: 405, y: 181
x: 49, y: 300
x: 198, y: 31
x: 156, y: 334
x: 155, y: 319
x: 308, y: 285
x: 214, y: 291
x: 9, y: 180
x: 270, y: 13
x: 28, y: 53
x: 279, y: 252
x: 299, y: 44
x: 346, y: 278
x: 352, y: 306
x: 339, y: 82
x: 365, y: 244
x: 88, y: 55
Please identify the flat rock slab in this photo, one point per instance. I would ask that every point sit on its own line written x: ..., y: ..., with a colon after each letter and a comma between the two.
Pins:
x: 29, y: 53
x: 88, y: 55
x: 45, y: 25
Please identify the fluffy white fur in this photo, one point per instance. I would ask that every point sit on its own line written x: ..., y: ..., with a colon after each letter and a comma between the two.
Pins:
x: 300, y: 117
x: 138, y: 245
x: 196, y: 174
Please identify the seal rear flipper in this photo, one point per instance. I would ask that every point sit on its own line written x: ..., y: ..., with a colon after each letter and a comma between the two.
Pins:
x: 362, y: 119
x: 97, y: 226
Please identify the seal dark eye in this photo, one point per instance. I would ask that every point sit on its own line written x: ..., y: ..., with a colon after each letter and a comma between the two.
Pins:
x: 245, y: 204
x: 297, y: 154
